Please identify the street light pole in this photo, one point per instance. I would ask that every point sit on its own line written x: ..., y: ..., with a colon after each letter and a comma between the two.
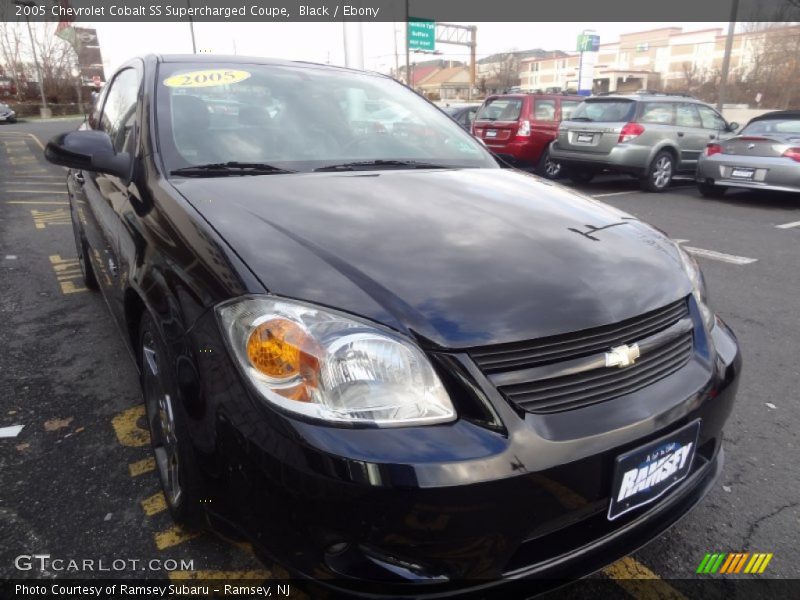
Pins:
x: 45, y: 112
x: 191, y: 28
x: 726, y: 59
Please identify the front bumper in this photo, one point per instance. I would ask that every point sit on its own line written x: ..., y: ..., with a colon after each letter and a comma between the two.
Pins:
x: 461, y: 506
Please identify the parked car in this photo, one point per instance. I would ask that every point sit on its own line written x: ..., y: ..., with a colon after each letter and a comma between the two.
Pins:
x: 765, y: 155
x: 463, y: 114
x: 649, y: 136
x: 520, y: 127
x: 7, y: 114
x: 381, y: 357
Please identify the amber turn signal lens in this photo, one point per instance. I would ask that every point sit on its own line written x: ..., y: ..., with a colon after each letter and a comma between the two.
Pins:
x: 275, y: 348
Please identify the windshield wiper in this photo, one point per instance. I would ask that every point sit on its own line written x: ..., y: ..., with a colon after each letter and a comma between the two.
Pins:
x: 579, y: 119
x: 380, y: 164
x: 229, y: 168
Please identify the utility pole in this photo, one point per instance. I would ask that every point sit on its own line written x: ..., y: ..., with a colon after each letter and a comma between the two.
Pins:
x: 45, y: 111
x: 473, y: 45
x: 726, y: 59
x: 191, y: 28
x: 408, y: 52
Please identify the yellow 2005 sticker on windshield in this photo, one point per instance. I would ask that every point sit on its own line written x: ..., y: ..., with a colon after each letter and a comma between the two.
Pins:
x: 207, y: 78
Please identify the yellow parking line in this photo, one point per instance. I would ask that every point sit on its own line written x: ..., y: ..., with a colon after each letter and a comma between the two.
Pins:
x: 640, y: 582
x: 173, y: 536
x: 140, y: 467
x: 35, y: 192
x: 37, y: 202
x: 256, y: 575
x: 628, y: 572
x: 18, y: 134
x: 127, y: 429
x: 154, y: 504
x: 68, y: 272
x: 44, y: 218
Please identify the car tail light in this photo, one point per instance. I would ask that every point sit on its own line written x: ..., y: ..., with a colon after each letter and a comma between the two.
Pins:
x: 630, y: 131
x: 524, y: 129
x: 712, y: 149
x: 793, y: 153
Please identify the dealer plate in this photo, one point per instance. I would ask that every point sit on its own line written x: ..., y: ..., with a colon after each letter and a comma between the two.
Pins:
x: 585, y: 137
x: 738, y: 173
x: 491, y: 133
x: 646, y: 473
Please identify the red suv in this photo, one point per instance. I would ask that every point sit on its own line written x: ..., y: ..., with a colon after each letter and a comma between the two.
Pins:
x: 520, y: 127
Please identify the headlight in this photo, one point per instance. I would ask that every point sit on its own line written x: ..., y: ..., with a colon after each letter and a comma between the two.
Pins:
x: 323, y: 364
x: 698, y: 287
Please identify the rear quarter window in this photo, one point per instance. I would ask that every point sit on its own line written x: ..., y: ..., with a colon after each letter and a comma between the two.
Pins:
x: 658, y: 113
x: 501, y: 109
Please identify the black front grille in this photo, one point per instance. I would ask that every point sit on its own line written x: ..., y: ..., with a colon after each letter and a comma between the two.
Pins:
x: 542, y: 389
x: 522, y: 355
x: 597, y: 385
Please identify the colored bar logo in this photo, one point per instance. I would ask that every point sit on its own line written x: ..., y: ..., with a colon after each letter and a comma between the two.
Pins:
x: 734, y: 562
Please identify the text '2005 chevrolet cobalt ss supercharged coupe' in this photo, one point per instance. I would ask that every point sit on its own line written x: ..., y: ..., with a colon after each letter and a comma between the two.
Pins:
x: 374, y: 352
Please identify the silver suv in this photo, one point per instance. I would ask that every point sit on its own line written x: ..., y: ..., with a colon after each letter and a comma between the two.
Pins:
x: 650, y: 136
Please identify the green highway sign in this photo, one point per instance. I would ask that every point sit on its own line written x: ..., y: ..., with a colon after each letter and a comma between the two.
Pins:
x: 421, y: 35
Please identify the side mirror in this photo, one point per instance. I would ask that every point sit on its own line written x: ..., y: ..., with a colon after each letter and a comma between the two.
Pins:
x: 88, y: 151
x: 733, y: 126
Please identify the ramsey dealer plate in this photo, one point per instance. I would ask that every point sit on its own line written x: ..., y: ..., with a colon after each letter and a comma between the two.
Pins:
x: 584, y: 137
x: 648, y: 472
x: 739, y: 173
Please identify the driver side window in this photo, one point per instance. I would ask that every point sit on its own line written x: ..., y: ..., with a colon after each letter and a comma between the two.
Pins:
x: 119, y: 112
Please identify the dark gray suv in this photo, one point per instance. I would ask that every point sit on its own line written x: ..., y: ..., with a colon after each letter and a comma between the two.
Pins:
x: 650, y: 136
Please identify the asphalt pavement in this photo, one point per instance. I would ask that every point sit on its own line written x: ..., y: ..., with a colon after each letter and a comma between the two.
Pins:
x: 78, y: 480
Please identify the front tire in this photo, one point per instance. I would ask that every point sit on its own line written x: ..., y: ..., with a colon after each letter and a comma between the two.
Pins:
x: 167, y: 420
x: 659, y: 173
x: 709, y: 190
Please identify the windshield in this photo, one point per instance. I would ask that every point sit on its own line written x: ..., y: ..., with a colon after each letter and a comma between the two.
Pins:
x: 767, y: 126
x: 608, y: 111
x: 300, y: 118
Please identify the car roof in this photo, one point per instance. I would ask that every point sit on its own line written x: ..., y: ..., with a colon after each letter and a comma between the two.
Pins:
x: 778, y: 114
x: 647, y: 97
x: 527, y: 95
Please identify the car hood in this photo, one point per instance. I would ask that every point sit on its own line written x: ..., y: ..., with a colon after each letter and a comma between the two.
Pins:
x: 456, y: 258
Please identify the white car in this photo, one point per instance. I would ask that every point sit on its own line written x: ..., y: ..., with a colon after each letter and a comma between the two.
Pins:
x: 6, y: 114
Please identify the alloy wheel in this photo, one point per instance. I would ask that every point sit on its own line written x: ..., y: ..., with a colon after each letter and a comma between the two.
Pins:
x: 662, y: 172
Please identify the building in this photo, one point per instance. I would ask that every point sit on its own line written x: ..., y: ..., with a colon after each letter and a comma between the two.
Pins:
x: 451, y: 83
x: 499, y: 72
x: 667, y: 58
x: 421, y: 70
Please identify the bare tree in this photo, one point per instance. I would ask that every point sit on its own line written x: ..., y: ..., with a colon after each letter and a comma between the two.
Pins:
x: 773, y: 65
x: 11, y: 53
x: 56, y: 58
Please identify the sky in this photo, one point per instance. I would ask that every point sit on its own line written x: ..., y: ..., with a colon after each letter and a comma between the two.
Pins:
x: 323, y: 42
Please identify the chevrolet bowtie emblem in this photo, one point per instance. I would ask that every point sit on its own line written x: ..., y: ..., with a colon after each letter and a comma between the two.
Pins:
x: 622, y: 356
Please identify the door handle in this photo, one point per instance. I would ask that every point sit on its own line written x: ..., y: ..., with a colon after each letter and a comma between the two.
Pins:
x: 79, y: 178
x: 680, y: 134
x: 712, y: 137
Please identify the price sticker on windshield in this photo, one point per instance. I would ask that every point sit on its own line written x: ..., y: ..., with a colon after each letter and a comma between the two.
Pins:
x: 207, y: 78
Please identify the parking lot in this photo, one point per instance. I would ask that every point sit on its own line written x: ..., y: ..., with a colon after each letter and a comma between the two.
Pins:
x: 78, y: 479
